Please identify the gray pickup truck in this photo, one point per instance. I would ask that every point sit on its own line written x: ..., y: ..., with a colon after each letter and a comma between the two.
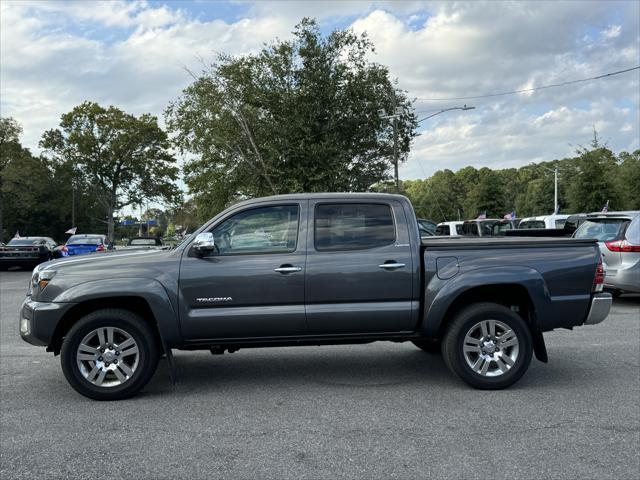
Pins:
x: 313, y: 269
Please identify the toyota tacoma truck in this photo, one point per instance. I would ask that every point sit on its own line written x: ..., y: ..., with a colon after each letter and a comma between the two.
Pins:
x: 313, y: 269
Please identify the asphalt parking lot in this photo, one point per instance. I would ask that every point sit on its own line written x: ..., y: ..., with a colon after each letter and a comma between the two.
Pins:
x: 381, y: 410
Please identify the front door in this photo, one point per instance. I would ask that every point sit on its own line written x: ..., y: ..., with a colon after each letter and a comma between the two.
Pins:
x: 360, y: 272
x: 252, y: 285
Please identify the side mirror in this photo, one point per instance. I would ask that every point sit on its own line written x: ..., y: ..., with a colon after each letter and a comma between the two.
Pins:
x: 204, y: 244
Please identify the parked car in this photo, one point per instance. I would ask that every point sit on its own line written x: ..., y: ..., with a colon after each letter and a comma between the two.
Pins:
x: 618, y: 236
x: 573, y: 222
x: 490, y: 227
x: 452, y: 229
x: 142, y: 243
x: 320, y: 269
x: 543, y: 221
x: 83, y: 244
x: 27, y: 252
x: 427, y: 227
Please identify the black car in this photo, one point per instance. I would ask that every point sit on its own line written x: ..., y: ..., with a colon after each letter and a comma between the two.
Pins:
x: 27, y: 252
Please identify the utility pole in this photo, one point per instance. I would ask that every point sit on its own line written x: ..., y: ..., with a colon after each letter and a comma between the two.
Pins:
x: 555, y: 190
x: 395, y: 143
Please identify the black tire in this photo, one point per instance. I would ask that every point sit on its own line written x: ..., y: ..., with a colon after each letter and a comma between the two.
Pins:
x: 429, y: 345
x: 132, y: 324
x: 454, y: 340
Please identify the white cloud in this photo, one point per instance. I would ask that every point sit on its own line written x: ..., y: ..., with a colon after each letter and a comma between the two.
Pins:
x: 46, y: 71
x: 612, y: 31
x: 131, y: 54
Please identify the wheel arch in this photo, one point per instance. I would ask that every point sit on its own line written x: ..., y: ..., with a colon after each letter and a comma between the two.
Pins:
x: 513, y: 296
x: 521, y: 289
x: 137, y: 305
x: 149, y: 300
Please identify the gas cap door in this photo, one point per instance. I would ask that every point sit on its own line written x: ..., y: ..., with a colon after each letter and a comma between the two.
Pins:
x: 447, y: 267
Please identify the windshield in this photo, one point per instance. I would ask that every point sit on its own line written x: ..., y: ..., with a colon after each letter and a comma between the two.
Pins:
x: 81, y: 239
x: 143, y: 241
x: 603, y: 230
x: 525, y: 225
x: 24, y: 241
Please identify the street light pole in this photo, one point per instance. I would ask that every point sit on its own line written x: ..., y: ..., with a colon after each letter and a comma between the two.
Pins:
x: 555, y: 190
x: 396, y: 113
x: 464, y: 107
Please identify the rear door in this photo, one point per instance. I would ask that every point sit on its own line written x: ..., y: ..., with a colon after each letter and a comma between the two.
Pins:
x: 253, y: 283
x: 360, y: 268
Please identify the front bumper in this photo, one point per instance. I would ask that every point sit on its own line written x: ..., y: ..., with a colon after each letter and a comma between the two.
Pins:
x: 38, y: 320
x: 599, y: 309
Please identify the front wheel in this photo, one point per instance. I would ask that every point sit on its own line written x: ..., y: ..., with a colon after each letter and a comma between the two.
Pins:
x: 488, y: 346
x: 109, y: 354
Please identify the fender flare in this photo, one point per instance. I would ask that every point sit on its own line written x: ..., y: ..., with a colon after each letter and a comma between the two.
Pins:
x: 148, y: 289
x: 440, y: 295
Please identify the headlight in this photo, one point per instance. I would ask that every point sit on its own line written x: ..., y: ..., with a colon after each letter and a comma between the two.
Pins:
x: 40, y: 279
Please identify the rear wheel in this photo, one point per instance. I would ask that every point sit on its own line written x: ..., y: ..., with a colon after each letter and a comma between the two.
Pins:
x: 488, y: 346
x: 109, y: 354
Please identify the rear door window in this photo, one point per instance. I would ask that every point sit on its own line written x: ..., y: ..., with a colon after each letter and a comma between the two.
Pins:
x: 470, y: 229
x: 353, y: 226
x: 531, y: 224
x: 560, y: 223
x: 443, y: 230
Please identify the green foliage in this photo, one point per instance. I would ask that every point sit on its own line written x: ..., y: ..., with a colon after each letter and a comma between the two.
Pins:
x: 304, y: 115
x: 585, y: 184
x: 122, y: 158
x: 42, y: 189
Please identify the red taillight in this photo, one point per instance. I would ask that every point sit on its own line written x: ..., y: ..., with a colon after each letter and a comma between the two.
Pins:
x: 598, y: 280
x: 64, y: 248
x: 100, y: 248
x: 622, y: 246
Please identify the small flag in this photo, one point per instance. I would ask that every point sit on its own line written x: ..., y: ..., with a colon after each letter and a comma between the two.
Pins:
x: 605, y: 209
x: 510, y: 216
x: 72, y: 231
x: 17, y: 235
x: 482, y: 216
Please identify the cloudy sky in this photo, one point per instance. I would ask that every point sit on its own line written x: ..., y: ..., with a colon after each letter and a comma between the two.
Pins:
x: 55, y: 55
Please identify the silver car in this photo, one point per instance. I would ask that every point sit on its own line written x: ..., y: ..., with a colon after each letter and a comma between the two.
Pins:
x: 618, y: 235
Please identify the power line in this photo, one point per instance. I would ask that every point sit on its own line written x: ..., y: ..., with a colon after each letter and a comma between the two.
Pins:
x: 524, y: 90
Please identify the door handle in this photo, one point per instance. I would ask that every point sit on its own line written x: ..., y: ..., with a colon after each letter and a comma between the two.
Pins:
x: 391, y: 266
x: 289, y: 269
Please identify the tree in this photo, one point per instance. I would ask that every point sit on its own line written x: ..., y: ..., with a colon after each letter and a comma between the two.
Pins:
x: 305, y: 115
x: 125, y: 158
x: 628, y: 180
x: 593, y: 185
x: 486, y: 195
